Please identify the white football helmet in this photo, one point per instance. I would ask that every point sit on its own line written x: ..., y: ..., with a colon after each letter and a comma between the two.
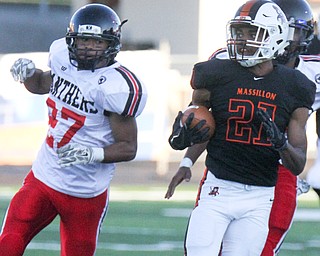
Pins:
x: 269, y: 33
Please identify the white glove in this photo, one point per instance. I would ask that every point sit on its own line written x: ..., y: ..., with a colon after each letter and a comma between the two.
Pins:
x: 73, y: 154
x: 22, y: 69
x: 302, y: 186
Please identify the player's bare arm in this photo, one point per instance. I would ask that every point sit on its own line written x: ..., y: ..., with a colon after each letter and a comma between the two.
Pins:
x: 124, y: 130
x: 294, y: 156
x: 39, y: 83
x: 293, y: 148
x: 184, y: 170
x: 201, y: 97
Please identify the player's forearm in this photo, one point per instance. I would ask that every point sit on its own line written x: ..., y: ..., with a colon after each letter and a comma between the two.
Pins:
x: 120, y: 152
x: 195, y: 151
x: 39, y: 83
x: 294, y: 159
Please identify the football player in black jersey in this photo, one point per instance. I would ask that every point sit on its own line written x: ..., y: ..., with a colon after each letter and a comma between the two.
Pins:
x: 255, y: 103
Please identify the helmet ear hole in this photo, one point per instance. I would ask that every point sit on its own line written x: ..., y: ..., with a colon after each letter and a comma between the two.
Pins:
x: 98, y: 22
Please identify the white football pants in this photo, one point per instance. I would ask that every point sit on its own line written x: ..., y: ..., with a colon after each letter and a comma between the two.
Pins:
x: 230, y: 214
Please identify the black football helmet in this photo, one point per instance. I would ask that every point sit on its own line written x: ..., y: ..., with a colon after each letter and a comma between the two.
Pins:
x: 94, y: 21
x: 300, y: 17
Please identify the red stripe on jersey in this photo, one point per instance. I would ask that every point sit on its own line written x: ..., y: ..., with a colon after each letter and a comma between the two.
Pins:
x: 315, y: 58
x: 135, y: 88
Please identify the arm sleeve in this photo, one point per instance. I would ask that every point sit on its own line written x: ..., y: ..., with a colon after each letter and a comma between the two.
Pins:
x: 197, y: 77
x: 205, y: 73
x: 126, y: 98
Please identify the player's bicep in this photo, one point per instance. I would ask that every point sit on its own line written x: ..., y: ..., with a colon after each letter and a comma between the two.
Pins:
x: 39, y: 83
x: 124, y: 129
x: 46, y: 81
x: 201, y: 97
x: 297, y: 129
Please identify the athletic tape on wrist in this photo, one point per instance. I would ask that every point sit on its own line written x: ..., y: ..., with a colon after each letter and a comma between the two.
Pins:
x: 186, y: 162
x: 98, y: 154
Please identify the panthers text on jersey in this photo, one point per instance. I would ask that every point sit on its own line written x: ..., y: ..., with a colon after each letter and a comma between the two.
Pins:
x: 78, y: 106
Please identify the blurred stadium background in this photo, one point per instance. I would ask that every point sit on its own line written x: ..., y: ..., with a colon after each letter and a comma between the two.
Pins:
x: 161, y: 42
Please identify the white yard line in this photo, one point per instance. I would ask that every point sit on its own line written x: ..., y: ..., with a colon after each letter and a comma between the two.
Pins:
x: 121, y: 193
x: 300, y: 215
x: 162, y: 246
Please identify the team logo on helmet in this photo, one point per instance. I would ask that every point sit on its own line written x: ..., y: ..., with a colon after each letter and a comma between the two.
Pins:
x: 281, y: 17
x: 90, y: 29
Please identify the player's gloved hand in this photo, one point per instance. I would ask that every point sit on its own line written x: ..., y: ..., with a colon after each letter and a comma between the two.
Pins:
x: 183, y: 136
x: 74, y: 154
x: 22, y: 69
x: 277, y: 138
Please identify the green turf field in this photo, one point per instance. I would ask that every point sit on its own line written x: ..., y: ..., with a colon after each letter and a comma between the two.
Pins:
x: 152, y: 228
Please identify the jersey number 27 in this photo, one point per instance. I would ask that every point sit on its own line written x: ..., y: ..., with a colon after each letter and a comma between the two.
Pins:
x: 65, y: 114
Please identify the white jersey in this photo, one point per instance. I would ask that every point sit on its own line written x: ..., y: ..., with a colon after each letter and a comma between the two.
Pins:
x: 309, y: 65
x: 77, y: 105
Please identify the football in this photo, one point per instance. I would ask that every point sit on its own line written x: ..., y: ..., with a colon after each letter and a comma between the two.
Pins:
x: 200, y: 113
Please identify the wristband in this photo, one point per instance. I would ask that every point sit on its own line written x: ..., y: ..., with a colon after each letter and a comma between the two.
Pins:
x: 97, y: 154
x: 186, y: 162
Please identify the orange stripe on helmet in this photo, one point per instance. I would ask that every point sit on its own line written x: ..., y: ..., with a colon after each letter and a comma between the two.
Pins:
x: 245, y: 10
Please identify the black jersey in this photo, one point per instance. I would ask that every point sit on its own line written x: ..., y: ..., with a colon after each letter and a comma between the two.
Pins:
x: 240, y: 150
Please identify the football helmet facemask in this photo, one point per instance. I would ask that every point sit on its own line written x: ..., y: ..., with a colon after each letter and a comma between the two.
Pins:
x: 94, y: 21
x: 271, y: 29
x: 300, y: 17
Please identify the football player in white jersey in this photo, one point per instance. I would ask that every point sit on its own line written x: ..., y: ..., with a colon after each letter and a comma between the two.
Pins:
x: 93, y: 103
x: 285, y: 200
x: 313, y: 174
